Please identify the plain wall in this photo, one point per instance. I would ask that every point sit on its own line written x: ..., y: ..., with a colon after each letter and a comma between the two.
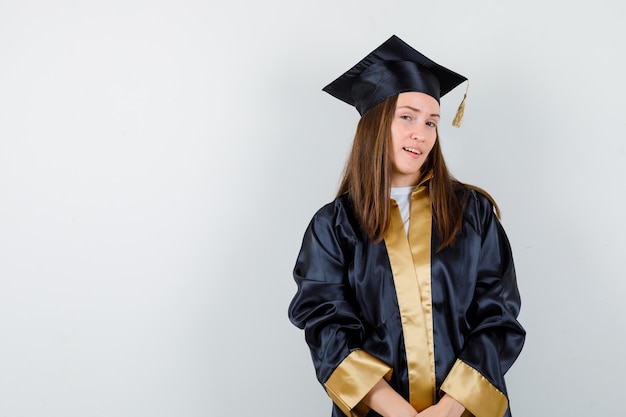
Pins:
x: 160, y: 160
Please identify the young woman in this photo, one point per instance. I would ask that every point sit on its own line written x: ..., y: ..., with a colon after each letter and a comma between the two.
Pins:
x: 406, y: 286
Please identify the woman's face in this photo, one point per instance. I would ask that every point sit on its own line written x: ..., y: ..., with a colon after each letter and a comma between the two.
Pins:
x: 413, y: 135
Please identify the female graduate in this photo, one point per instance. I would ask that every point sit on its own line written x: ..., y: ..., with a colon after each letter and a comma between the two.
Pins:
x: 406, y: 286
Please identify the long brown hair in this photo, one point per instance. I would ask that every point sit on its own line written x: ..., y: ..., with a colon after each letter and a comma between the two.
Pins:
x: 367, y: 179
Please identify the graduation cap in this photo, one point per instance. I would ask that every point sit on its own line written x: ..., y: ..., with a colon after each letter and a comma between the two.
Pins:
x: 393, y: 68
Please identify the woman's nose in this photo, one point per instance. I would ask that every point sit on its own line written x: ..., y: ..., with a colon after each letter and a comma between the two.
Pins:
x: 418, y: 134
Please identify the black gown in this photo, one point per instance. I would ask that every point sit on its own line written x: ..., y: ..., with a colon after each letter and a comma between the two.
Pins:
x: 428, y: 321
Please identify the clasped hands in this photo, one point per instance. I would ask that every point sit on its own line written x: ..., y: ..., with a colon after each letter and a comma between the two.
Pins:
x: 387, y: 402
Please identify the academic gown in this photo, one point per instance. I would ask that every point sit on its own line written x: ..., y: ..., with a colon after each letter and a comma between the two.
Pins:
x: 429, y: 322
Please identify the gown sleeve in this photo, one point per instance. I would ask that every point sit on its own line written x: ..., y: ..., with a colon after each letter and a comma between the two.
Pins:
x: 496, y: 338
x: 324, y: 308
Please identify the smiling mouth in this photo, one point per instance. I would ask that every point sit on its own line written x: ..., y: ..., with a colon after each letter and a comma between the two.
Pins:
x: 413, y: 150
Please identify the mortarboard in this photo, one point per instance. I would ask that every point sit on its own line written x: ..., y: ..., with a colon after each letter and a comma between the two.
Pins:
x: 393, y: 68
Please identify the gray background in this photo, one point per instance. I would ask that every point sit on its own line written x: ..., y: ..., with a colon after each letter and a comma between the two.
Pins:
x: 159, y: 161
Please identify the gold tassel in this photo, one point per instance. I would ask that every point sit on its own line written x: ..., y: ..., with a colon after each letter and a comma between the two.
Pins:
x: 458, y: 118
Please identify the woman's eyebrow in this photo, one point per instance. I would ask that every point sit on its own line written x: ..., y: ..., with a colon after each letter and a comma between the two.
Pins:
x: 417, y: 110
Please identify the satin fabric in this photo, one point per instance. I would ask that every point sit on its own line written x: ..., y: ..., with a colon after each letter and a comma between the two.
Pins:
x: 346, y: 298
x: 410, y: 266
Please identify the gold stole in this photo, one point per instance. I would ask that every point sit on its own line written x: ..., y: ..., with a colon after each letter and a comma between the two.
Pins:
x: 410, y: 264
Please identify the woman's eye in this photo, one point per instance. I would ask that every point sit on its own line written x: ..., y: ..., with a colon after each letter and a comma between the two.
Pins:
x: 431, y: 124
x: 406, y: 117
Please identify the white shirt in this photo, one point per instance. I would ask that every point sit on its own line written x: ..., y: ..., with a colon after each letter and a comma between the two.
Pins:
x: 402, y: 195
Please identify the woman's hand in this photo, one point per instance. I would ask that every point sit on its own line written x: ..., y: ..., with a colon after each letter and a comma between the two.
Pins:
x: 446, y: 407
x: 387, y: 402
